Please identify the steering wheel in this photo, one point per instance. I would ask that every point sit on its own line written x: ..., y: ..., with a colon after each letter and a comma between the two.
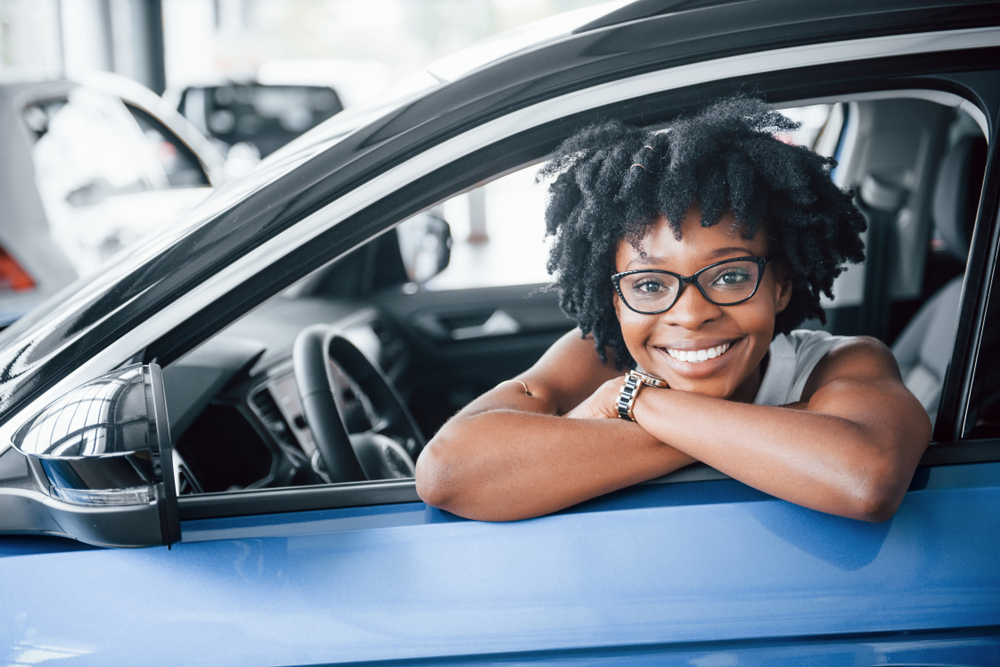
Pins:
x: 389, y: 449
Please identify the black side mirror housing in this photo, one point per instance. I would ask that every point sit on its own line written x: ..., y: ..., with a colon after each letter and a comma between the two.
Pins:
x: 97, y: 465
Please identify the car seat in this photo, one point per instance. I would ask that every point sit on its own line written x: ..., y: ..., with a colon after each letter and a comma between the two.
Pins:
x: 923, y: 349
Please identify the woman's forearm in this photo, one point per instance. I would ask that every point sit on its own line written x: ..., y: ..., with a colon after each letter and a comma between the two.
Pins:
x: 856, y: 468
x: 501, y: 465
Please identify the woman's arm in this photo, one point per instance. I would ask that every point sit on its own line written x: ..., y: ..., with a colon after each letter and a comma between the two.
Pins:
x: 510, y: 456
x: 850, y: 448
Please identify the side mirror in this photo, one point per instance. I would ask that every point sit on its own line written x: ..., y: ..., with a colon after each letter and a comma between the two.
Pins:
x: 425, y: 243
x: 102, y: 464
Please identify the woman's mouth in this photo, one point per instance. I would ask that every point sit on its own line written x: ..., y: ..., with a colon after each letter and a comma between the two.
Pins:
x: 698, y: 356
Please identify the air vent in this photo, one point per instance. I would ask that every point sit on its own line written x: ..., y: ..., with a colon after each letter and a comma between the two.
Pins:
x: 393, y: 349
x: 186, y: 483
x: 273, y: 419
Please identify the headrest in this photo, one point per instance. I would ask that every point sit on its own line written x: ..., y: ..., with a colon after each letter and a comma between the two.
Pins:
x: 956, y: 194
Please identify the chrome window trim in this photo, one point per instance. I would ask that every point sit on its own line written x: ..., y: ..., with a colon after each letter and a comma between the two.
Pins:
x: 488, y: 133
x: 937, y: 96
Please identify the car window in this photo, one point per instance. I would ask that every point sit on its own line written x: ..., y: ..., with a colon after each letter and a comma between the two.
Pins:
x: 920, y: 201
x: 266, y: 116
x: 498, y: 229
x: 179, y: 162
x: 89, y: 146
x: 498, y: 234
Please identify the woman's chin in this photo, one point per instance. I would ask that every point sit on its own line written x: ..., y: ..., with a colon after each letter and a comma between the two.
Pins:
x: 704, y: 388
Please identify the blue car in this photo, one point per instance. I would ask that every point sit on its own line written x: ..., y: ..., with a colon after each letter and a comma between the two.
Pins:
x: 207, y: 448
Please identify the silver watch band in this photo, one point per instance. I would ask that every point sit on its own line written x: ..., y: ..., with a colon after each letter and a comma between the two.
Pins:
x: 634, y: 381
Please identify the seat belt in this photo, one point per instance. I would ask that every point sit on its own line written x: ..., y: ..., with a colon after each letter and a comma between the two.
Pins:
x: 880, y: 202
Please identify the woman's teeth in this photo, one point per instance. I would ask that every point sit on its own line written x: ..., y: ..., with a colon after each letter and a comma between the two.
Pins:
x: 698, y: 356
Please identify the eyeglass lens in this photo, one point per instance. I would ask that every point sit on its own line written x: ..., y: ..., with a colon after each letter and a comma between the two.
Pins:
x: 725, y: 284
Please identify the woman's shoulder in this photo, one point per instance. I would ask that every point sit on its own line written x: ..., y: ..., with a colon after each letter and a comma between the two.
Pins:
x: 804, y: 344
x: 570, y: 370
x: 859, y: 358
x: 793, y: 359
x: 810, y: 341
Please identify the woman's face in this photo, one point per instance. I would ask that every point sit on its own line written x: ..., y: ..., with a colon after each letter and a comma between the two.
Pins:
x: 736, y: 336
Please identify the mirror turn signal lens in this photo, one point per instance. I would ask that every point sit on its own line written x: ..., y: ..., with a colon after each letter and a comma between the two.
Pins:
x: 13, y: 277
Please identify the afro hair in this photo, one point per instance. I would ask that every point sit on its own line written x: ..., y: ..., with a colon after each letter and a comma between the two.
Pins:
x: 612, y: 182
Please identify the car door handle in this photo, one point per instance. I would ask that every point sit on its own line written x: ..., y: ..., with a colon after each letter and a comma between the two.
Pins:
x: 498, y: 324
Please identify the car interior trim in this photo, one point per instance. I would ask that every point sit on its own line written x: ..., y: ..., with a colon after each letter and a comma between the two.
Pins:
x: 982, y: 268
x: 294, y: 499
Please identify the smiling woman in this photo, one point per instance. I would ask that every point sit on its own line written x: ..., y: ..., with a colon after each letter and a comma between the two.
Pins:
x: 688, y: 258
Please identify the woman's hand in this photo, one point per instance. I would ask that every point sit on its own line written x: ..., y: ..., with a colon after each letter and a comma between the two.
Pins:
x: 600, y: 404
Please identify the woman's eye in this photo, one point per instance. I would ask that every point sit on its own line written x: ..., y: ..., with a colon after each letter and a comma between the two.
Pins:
x: 731, y: 277
x: 649, y: 287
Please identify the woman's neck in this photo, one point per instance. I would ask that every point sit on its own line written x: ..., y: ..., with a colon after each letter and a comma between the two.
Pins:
x: 747, y: 391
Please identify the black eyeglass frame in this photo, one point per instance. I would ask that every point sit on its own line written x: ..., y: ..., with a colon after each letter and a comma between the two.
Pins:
x: 685, y: 280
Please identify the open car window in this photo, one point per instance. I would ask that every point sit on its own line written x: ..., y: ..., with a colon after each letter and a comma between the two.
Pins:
x: 498, y: 232
x: 442, y: 340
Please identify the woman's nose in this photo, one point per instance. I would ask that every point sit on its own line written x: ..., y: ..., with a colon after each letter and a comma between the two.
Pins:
x: 692, y: 309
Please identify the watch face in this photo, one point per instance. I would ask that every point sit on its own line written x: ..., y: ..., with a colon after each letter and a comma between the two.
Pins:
x: 651, y: 380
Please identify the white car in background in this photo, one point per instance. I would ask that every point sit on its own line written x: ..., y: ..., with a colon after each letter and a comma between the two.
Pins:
x: 88, y: 167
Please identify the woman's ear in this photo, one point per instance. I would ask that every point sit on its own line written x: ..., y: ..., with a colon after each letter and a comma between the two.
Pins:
x: 782, y: 288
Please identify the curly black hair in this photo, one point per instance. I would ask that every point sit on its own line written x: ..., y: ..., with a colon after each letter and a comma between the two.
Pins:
x: 613, y: 181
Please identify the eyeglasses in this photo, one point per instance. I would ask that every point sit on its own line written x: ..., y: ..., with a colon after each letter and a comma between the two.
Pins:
x: 724, y: 283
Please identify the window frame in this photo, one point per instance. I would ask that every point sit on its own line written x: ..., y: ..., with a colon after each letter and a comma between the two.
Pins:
x: 480, y: 165
x: 979, y: 309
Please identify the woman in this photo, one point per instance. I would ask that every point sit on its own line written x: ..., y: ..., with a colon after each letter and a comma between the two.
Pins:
x: 687, y: 258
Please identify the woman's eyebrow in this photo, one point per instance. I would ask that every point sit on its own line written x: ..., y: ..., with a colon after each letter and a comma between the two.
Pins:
x: 721, y: 252
x: 648, y: 260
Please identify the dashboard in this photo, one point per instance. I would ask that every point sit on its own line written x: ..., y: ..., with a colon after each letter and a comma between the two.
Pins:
x: 235, y: 414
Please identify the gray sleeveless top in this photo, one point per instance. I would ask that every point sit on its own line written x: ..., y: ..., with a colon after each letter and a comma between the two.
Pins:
x: 792, y: 359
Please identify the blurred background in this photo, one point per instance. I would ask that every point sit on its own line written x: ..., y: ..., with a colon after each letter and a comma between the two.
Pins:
x: 356, y: 48
x: 118, y: 116
x: 163, y: 43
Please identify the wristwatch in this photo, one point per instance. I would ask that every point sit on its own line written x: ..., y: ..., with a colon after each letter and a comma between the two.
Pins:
x: 634, y: 381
